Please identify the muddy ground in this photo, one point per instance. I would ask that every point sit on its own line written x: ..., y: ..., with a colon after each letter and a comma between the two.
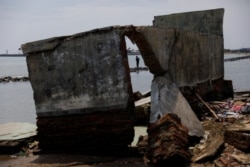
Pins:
x: 130, y: 157
x: 61, y: 160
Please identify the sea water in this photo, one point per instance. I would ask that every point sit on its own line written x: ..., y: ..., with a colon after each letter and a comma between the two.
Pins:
x: 238, y: 71
x: 16, y: 98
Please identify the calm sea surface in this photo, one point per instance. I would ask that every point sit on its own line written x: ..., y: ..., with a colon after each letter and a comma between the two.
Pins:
x: 16, y: 98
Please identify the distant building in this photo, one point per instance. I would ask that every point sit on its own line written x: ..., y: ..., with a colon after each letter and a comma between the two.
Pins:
x: 11, y: 55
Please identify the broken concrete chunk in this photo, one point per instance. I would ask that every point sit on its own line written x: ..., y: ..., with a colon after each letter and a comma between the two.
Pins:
x: 167, y: 98
x: 210, y: 150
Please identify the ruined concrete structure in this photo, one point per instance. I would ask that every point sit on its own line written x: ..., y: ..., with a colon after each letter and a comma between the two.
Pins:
x: 82, y: 86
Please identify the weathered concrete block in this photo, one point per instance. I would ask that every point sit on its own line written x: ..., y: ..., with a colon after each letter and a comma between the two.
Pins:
x: 82, y: 71
x: 193, y: 45
x: 189, y: 57
x: 206, y: 21
x: 166, y: 98
x: 84, y: 77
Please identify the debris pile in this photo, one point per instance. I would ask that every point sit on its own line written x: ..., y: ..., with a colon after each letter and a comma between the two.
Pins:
x: 142, y: 107
x: 230, y: 109
x: 168, y: 141
x: 226, y: 141
x: 14, y: 137
x: 219, y: 149
x: 211, y: 144
x: 227, y: 132
x: 238, y: 135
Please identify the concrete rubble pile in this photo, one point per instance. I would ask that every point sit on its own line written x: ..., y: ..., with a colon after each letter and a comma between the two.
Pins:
x: 225, y: 141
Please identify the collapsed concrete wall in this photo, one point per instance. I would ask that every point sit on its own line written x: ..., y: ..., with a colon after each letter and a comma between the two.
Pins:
x: 82, y: 87
x: 84, y: 71
x: 189, y: 47
x: 82, y: 90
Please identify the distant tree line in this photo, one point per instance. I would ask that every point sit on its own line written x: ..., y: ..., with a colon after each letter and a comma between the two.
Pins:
x: 11, y: 55
x: 242, y: 50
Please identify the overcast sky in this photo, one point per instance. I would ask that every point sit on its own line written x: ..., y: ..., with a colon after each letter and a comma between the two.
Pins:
x: 24, y: 21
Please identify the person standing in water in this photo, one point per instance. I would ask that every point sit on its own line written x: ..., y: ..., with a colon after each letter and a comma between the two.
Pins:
x: 137, y: 62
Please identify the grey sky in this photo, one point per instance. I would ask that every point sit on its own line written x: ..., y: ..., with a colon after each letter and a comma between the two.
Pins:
x: 24, y: 21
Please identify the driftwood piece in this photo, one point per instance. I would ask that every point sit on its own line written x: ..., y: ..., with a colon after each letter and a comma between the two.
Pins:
x: 168, y: 141
x: 212, y: 111
x: 238, y: 135
x: 243, y: 158
x: 211, y: 150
